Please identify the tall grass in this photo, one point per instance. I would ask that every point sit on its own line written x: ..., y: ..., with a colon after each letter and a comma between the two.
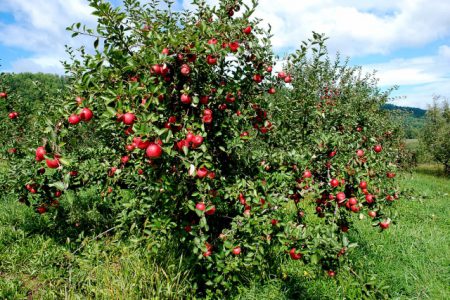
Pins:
x: 411, y: 260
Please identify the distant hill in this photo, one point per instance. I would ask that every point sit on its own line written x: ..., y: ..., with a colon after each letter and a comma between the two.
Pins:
x: 416, y: 112
x: 412, y: 118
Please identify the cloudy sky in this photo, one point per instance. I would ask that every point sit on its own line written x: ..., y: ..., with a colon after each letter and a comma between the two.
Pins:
x: 406, y: 41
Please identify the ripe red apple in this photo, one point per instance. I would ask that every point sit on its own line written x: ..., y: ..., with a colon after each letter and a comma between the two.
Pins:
x: 377, y: 148
x: 40, y: 153
x: 202, y: 172
x: 363, y: 185
x: 360, y: 153
x: 125, y: 159
x: 154, y: 151
x: 257, y: 78
x: 74, y: 119
x: 212, y: 41
x: 236, y: 250
x: 129, y: 118
x: 294, y: 255
x: 73, y: 173
x: 3, y: 95
x: 130, y: 147
x: 185, y: 70
x: 13, y: 115
x: 197, y: 141
x: 352, y: 201
x: 189, y: 137
x: 41, y: 210
x: 247, y: 30
x: 58, y: 194
x: 204, y: 99
x: 307, y: 174
x: 211, y: 211
x: 272, y: 91
x: 331, y: 154
x: 244, y: 134
x: 369, y: 198
x: 165, y: 51
x: 185, y: 99
x: 334, y: 182
x: 86, y: 114
x: 390, y: 174
x: 384, y: 224
x: 207, y: 119
x: 230, y: 98
x: 211, y: 60
x: 281, y: 75
x: 112, y: 171
x: 242, y: 199
x: 156, y: 69
x: 200, y: 206
x: 340, y: 197
x: 372, y: 214
x: 274, y: 222
x: 331, y: 273
x: 288, y: 79
x: 234, y: 46
x: 52, y: 163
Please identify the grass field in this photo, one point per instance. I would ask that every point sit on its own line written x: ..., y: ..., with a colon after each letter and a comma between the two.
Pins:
x: 411, y: 260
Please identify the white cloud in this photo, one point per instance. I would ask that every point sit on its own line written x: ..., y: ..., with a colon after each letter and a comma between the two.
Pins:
x: 355, y: 27
x: 420, y: 77
x: 39, y: 27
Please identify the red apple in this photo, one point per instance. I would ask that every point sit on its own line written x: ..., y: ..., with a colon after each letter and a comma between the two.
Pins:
x: 74, y: 119
x: 125, y: 159
x: 236, y: 250
x: 372, y: 214
x: 200, y: 206
x: 3, y: 95
x: 288, y: 79
x: 185, y: 70
x: 369, y: 198
x: 197, y: 141
x: 340, y: 197
x: 334, y: 182
x: 211, y: 60
x: 377, y: 148
x: 211, y: 211
x: 384, y: 224
x: 202, y: 172
x: 13, y: 115
x: 271, y: 91
x: 154, y: 151
x: 40, y: 153
x: 247, y: 30
x: 360, y: 153
x: 234, y: 46
x: 52, y: 163
x: 307, y: 174
x: 294, y: 255
x: 363, y: 185
x: 86, y: 114
x: 185, y: 99
x: 129, y: 118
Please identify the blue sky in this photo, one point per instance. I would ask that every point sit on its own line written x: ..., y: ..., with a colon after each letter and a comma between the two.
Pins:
x: 406, y: 41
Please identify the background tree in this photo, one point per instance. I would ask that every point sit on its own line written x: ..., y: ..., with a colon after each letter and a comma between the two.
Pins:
x: 435, y: 137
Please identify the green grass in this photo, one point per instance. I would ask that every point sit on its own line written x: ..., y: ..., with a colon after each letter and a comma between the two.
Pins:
x: 411, y: 260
